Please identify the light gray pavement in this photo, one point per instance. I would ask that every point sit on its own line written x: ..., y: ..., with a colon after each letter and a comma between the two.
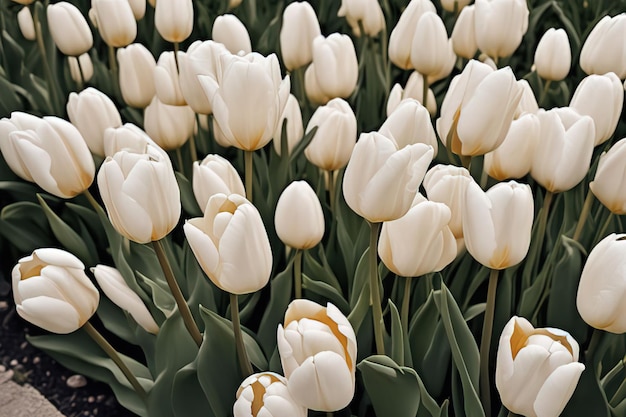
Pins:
x: 22, y: 400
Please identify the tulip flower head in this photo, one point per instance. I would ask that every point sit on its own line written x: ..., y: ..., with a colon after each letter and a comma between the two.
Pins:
x: 82, y: 73
x: 336, y: 65
x: 169, y: 126
x: 609, y: 184
x: 51, y: 291
x: 266, y: 394
x: 553, y: 56
x: 537, y: 370
x: 173, y: 19
x: 500, y: 26
x: 215, y: 175
x: 410, y: 123
x: 363, y: 13
x: 430, y: 45
x: 300, y: 27
x: 464, y: 35
x: 69, y: 29
x: 603, y: 50
x: 299, y: 218
x: 400, y: 40
x: 166, y: 79
x: 136, y: 66
x: 231, y: 32
x: 26, y: 24
x: 116, y: 22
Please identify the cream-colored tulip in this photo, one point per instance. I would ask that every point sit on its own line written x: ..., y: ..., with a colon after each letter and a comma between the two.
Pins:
x: 562, y: 158
x: 169, y: 126
x: 81, y: 68
x: 113, y: 285
x: 92, y: 112
x: 455, y: 5
x: 231, y: 244
x: 381, y: 181
x: 136, y: 68
x: 400, y: 40
x: 300, y: 27
x: 335, y: 137
x: 497, y: 224
x: 366, y: 14
x: 464, y: 35
x: 449, y: 62
x: 215, y: 175
x: 414, y: 88
x: 553, y: 57
x: 336, y: 65
x: 602, y: 286
x: 292, y: 115
x: 116, y: 22
x: 299, y: 219
x: 173, y: 19
x: 500, y: 25
x: 166, y: 79
x: 602, y: 98
x: 69, y: 29
x: 609, y: 184
x: 129, y: 138
x: 231, y: 32
x: 429, y: 45
x: 266, y: 394
x: 202, y: 58
x: 138, y: 7
x: 311, y: 87
x: 537, y: 370
x: 317, y: 347
x: 410, y: 123
x: 51, y: 291
x: 528, y: 103
x: 26, y: 24
x: 604, y: 49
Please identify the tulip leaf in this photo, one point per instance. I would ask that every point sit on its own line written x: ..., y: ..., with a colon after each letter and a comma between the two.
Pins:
x: 24, y: 225
x: 188, y: 399
x: 162, y: 298
x: 10, y: 100
x: 588, y: 398
x: 399, y: 343
x: 361, y: 277
x: 320, y: 273
x: 201, y: 289
x: 187, y: 198
x: 90, y: 219
x: 393, y: 389
x: 326, y: 292
x: 21, y: 190
x: 280, y: 297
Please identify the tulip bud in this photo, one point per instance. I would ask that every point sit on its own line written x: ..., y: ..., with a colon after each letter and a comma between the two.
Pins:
x: 138, y: 7
x: 363, y: 13
x: 430, y: 45
x: 201, y: 58
x: 536, y: 369
x: 449, y: 61
x: 174, y: 19
x: 249, y: 99
x: 602, y: 287
x: 140, y: 193
x: 380, y: 181
x: 229, y: 31
x: 602, y: 98
x: 26, y: 24
x: 553, y: 56
x: 420, y: 242
x: 69, y: 29
x: 603, y: 50
x: 464, y: 35
x: 312, y: 89
x: 563, y: 157
x: 454, y: 5
x: 528, y: 103
x: 114, y: 286
x: 300, y: 27
x: 51, y: 291
x: 23, y: 2
x: 331, y: 146
x: 299, y: 218
x: 400, y: 40
x: 414, y: 89
x: 317, y: 348
x: 82, y: 73
x: 215, y: 175
x: 92, y: 111
x: 49, y: 152
x: 166, y: 80
x: 136, y: 66
x: 116, y: 22
x: 231, y: 244
x: 608, y: 185
x: 266, y: 394
x: 336, y: 66
x: 408, y: 124
x: 500, y: 25
x: 293, y: 116
x: 169, y: 126
x: 129, y: 138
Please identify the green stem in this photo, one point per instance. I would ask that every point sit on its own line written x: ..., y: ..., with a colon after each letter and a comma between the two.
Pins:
x: 81, y: 76
x: 541, y: 228
x: 52, y: 83
x: 242, y: 355
x: 377, y: 310
x: 248, y: 167
x: 544, y: 92
x: 297, y: 274
x: 115, y: 357
x: 176, y: 47
x: 485, y: 342
x: 193, y: 152
x: 596, y: 337
x: 331, y: 190
x: 604, y: 227
x: 179, y: 161
x: 406, y: 301
x: 114, y: 72
x: 183, y: 308
x: 94, y: 203
x: 583, y: 216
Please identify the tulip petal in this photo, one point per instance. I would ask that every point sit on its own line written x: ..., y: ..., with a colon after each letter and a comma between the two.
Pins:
x: 557, y: 390
x: 54, y: 315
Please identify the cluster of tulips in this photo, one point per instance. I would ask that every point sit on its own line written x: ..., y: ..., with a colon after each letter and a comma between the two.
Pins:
x: 467, y: 177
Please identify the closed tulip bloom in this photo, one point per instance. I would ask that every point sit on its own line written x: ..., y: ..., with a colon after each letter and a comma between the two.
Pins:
x: 602, y: 98
x: 602, y: 286
x: 300, y: 27
x: 478, y: 108
x: 51, y: 291
x: 23, y: 2
x: 129, y: 138
x: 449, y: 61
x: 609, y: 184
x: 553, y: 56
x: 249, y: 99
x: 454, y: 5
x: 335, y: 137
x: 400, y: 40
x: 295, y: 130
x: 363, y: 13
x: 215, y: 175
x: 497, y: 224
x: 464, y: 35
x: 563, y: 156
x: 311, y: 87
x: 116, y: 22
x: 500, y: 25
x: 166, y: 80
x: 537, y: 370
x: 336, y: 66
x: 410, y: 123
x: 136, y: 68
x: 51, y: 153
x: 26, y: 24
x: 82, y: 73
x: 266, y: 394
x: 69, y: 29
x: 231, y: 244
x: 173, y: 19
x: 420, y: 242
x: 381, y: 181
x: 414, y: 89
x: 92, y: 112
x: 430, y: 44
x: 201, y: 59
x: 138, y: 7
x: 528, y: 103
x: 513, y: 158
x: 229, y: 31
x: 113, y: 285
x: 317, y: 347
x: 169, y: 126
x: 299, y: 218
x: 604, y: 49
x: 140, y: 193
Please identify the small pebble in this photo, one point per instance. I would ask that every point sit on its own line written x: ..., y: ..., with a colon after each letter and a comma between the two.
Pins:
x: 13, y: 362
x: 24, y: 345
x: 4, y: 306
x: 36, y: 360
x: 25, y: 359
x: 91, y: 399
x: 76, y: 381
